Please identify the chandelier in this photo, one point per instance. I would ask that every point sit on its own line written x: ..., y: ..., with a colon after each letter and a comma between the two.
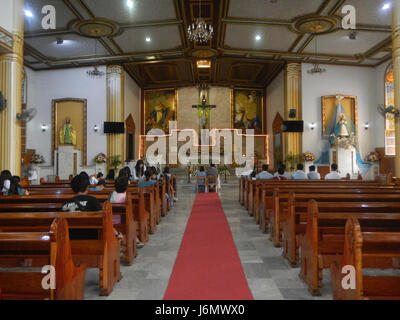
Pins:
x: 95, y: 73
x: 199, y: 31
x: 316, y: 68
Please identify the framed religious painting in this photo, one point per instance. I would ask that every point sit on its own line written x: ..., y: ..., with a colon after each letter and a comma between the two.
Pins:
x: 69, y: 126
x: 159, y: 109
x: 247, y: 109
x: 336, y: 107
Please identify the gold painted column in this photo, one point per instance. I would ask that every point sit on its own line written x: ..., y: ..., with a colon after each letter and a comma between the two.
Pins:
x: 293, y: 140
x: 396, y: 70
x: 11, y: 66
x: 115, y: 109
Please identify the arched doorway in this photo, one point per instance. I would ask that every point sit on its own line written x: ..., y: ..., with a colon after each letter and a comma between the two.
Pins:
x: 130, y: 138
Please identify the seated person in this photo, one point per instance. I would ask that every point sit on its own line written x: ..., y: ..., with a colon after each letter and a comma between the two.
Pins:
x: 299, y: 174
x: 264, y: 175
x: 286, y: 174
x: 212, y: 171
x: 82, y: 202
x: 201, y: 173
x: 313, y: 175
x: 99, y: 187
x: 334, y: 174
x: 119, y: 196
x: 253, y: 175
x: 5, y: 178
x: 139, y: 171
x: 15, y: 188
x: 281, y: 174
x: 146, y: 181
x: 94, y: 179
x: 168, y: 176
x: 111, y: 175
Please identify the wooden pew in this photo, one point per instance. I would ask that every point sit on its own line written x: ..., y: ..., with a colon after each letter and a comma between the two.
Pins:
x: 50, y: 248
x: 55, y: 200
x: 279, y: 211
x: 263, y: 190
x: 323, y: 242
x: 102, y: 253
x: 366, y: 250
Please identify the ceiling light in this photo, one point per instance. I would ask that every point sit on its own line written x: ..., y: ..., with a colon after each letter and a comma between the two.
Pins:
x: 28, y: 13
x: 200, y: 31
x: 148, y: 39
x: 258, y: 37
x: 59, y: 41
x: 151, y: 57
x: 386, y: 6
x: 129, y: 3
x: 203, y: 64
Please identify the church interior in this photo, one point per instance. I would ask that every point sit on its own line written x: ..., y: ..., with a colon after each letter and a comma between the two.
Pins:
x: 200, y: 149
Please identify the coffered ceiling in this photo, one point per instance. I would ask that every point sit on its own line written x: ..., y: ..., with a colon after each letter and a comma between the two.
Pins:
x: 149, y: 37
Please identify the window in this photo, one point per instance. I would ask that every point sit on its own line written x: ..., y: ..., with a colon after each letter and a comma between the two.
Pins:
x: 390, y: 143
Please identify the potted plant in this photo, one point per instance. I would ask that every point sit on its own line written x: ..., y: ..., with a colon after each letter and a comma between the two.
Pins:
x: 114, y: 162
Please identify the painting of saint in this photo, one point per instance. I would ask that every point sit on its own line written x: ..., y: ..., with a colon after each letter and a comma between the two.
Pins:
x: 247, y: 109
x: 159, y: 109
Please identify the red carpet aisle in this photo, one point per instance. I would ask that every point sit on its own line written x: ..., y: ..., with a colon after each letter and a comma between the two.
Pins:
x: 208, y: 266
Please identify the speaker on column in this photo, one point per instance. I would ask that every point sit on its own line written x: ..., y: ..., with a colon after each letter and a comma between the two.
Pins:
x: 293, y: 126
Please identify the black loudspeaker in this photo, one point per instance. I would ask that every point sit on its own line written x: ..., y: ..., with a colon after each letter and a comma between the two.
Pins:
x: 292, y: 113
x: 293, y: 126
x: 114, y: 127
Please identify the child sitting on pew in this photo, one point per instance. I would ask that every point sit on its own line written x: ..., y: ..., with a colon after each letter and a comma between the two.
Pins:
x: 82, y: 202
x: 15, y: 188
x: 5, y: 178
x: 99, y: 187
x: 119, y: 196
x: 147, y: 181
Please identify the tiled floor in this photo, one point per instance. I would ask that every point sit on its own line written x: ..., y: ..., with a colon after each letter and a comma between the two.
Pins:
x: 268, y: 275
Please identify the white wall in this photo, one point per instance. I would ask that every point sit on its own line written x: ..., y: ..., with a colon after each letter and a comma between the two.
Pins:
x: 275, y: 104
x: 346, y: 80
x: 132, y: 102
x: 44, y: 86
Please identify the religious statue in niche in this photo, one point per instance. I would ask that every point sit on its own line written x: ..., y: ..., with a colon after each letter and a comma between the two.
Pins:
x: 343, y: 136
x: 68, y: 133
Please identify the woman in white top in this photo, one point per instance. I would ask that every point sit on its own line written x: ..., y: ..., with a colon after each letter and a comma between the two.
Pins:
x: 139, y: 171
x: 5, y: 178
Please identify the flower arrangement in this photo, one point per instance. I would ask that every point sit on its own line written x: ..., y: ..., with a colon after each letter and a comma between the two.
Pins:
x: 37, y: 159
x: 372, y: 157
x: 100, y: 158
x: 309, y: 156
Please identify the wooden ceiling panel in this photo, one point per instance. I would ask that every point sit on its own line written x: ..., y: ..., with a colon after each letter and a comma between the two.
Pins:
x: 241, y: 71
x: 154, y: 74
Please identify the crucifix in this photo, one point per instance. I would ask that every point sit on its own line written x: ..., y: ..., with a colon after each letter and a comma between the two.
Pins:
x: 204, y: 107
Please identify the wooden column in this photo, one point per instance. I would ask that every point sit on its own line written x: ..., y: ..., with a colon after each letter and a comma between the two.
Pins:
x: 293, y: 100
x: 115, y: 109
x: 11, y: 66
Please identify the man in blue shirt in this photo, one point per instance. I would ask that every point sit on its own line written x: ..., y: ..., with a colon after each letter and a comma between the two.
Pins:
x: 264, y: 175
x: 299, y: 174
